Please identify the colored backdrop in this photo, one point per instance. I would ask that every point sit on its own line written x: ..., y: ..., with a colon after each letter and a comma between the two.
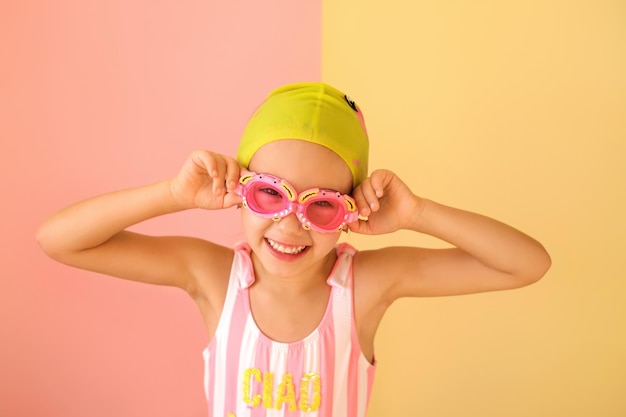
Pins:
x: 512, y: 109
x: 102, y: 95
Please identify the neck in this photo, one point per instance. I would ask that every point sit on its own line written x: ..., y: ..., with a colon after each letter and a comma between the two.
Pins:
x: 298, y: 283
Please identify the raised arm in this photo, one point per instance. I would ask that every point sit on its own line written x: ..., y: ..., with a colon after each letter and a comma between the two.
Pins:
x: 487, y: 255
x: 92, y: 234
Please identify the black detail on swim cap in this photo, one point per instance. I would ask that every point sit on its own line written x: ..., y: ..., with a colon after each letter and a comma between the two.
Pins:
x: 351, y: 103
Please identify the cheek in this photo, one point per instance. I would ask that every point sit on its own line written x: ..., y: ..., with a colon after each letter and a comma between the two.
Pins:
x: 253, y: 225
x: 254, y: 228
x: 327, y: 241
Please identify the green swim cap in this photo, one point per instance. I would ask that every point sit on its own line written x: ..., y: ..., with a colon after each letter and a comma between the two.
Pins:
x: 314, y: 112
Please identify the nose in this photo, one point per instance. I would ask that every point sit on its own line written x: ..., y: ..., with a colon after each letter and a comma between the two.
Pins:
x: 290, y: 223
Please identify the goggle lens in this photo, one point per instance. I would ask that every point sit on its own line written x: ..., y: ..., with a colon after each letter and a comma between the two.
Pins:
x: 264, y: 198
x: 324, y: 212
x: 317, y: 209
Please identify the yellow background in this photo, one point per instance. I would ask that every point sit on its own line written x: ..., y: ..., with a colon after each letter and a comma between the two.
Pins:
x: 516, y: 110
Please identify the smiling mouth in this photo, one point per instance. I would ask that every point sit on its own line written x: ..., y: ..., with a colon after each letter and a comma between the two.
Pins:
x: 288, y: 250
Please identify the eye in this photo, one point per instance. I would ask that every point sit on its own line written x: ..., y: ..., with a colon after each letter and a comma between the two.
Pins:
x: 324, y: 203
x: 269, y: 191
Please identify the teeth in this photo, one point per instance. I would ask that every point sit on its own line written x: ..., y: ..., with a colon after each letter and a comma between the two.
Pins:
x: 290, y: 250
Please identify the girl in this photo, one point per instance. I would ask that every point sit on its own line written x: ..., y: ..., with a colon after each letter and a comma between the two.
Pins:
x: 292, y: 314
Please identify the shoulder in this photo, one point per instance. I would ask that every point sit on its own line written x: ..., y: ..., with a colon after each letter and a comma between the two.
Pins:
x: 371, y: 271
x: 210, y: 266
x: 381, y: 261
x: 384, y: 271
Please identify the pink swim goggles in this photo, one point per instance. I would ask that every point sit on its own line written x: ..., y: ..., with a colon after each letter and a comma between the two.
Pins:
x: 320, y: 210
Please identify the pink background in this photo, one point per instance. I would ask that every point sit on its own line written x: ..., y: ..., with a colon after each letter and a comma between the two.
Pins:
x: 102, y: 95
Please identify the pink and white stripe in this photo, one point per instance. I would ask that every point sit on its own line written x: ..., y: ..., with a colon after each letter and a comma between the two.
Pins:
x: 331, y: 351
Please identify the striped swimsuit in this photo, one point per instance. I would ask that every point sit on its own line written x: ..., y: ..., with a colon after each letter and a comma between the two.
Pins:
x: 323, y: 375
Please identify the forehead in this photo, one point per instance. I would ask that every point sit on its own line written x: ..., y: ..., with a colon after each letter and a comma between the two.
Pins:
x: 303, y: 164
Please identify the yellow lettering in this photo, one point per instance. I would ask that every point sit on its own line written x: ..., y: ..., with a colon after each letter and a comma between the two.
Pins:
x: 268, y: 386
x: 286, y: 393
x: 316, y: 381
x: 247, y: 375
x: 310, y: 393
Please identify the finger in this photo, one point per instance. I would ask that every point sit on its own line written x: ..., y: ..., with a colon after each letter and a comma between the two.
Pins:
x: 369, y: 195
x: 379, y: 180
x: 205, y: 161
x: 219, y: 187
x: 233, y: 173
x: 361, y: 201
x: 232, y: 199
x: 359, y: 226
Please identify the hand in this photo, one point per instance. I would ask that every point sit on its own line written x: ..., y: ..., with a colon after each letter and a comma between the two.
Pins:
x: 387, y: 202
x: 207, y: 180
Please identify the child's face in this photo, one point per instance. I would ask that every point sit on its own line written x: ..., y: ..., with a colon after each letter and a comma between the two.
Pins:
x: 284, y: 247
